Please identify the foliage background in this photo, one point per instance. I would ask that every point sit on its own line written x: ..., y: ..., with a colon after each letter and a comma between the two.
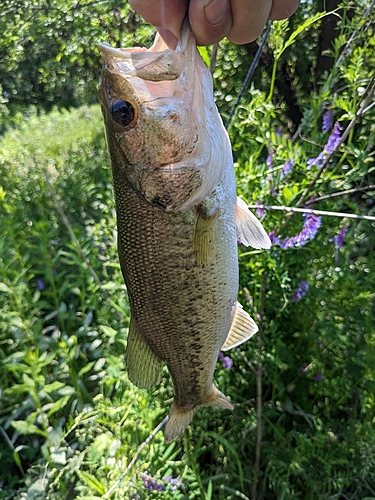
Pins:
x: 70, y: 422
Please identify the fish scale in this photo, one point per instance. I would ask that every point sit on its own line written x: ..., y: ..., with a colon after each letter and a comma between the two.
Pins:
x: 178, y: 220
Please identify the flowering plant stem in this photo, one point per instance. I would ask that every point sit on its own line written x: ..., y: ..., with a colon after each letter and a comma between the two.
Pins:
x: 361, y: 111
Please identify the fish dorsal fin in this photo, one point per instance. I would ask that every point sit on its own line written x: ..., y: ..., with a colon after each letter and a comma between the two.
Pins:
x: 243, y: 327
x: 250, y: 231
x: 144, y: 368
x: 205, y: 232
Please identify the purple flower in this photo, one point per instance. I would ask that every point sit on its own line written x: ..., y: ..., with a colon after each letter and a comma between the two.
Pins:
x: 318, y: 377
x: 40, y: 284
x: 329, y: 148
x: 310, y: 228
x: 327, y: 121
x: 301, y: 291
x: 153, y: 484
x: 287, y: 168
x: 274, y: 238
x: 269, y: 160
x: 174, y: 482
x: 340, y: 237
x: 333, y: 139
x: 226, y: 361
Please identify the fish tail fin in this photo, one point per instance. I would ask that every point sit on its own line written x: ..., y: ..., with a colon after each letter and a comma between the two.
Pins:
x: 180, y: 418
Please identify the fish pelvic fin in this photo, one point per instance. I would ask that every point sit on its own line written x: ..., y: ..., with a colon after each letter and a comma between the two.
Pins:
x: 250, y: 231
x: 180, y: 417
x: 144, y: 367
x: 242, y: 328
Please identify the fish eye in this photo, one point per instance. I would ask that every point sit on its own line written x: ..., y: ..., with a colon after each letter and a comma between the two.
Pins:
x: 123, y: 112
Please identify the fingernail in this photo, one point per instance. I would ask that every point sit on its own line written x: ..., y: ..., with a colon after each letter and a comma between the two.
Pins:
x: 215, y: 11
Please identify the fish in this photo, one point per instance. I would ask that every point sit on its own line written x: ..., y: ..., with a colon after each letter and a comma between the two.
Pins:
x: 179, y: 220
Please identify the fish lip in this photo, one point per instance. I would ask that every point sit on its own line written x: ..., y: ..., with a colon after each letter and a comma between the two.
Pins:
x: 123, y: 54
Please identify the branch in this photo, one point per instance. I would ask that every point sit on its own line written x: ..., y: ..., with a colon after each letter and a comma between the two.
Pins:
x: 298, y: 413
x: 314, y: 212
x: 371, y: 187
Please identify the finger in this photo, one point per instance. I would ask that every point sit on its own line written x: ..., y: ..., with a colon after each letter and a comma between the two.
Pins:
x: 249, y: 18
x: 283, y: 8
x: 165, y: 15
x: 210, y: 20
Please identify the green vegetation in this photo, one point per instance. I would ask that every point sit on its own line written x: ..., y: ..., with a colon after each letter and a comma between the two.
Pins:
x: 304, y: 390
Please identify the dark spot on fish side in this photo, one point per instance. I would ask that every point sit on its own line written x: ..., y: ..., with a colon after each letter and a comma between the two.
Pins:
x: 159, y: 202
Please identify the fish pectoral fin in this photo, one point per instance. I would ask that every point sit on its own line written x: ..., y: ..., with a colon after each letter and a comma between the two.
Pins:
x: 242, y: 328
x: 205, y: 233
x: 180, y: 417
x: 250, y: 231
x: 144, y: 368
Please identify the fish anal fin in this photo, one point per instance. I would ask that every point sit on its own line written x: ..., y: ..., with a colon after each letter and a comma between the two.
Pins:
x: 242, y: 328
x: 250, y: 231
x: 205, y: 233
x: 144, y: 368
x: 180, y: 417
x: 218, y: 399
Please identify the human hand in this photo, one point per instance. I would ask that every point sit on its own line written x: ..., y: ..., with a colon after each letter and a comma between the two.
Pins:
x: 241, y: 21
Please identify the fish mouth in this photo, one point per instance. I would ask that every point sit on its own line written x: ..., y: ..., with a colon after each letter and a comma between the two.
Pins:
x: 158, y: 63
x: 148, y: 64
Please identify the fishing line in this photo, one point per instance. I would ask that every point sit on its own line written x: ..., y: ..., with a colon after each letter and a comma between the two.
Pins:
x: 250, y: 72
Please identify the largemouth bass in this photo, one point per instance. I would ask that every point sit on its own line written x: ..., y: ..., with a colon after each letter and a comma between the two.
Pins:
x: 178, y: 219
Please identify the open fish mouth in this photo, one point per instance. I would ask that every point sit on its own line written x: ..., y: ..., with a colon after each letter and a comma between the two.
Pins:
x: 153, y: 65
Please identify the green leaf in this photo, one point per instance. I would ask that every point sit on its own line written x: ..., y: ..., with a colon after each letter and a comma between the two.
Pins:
x: 302, y: 27
x: 203, y: 50
x: 25, y: 428
x: 4, y: 288
x: 60, y: 403
x: 53, y: 387
x: 209, y: 490
x: 287, y: 194
x: 59, y: 457
x: 92, y: 482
